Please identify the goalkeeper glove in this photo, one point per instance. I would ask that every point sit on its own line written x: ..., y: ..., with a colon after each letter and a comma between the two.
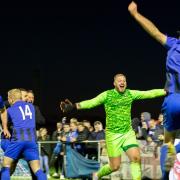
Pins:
x: 67, y: 106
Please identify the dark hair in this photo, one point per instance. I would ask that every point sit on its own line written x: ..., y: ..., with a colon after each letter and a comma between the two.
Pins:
x: 30, y: 91
x: 22, y: 89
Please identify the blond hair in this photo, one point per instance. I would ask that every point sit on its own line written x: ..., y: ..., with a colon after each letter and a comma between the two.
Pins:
x: 14, y: 95
x: 72, y: 120
x: 117, y: 75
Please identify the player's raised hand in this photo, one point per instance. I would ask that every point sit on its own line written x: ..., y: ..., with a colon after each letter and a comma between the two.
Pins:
x: 67, y: 106
x: 132, y: 8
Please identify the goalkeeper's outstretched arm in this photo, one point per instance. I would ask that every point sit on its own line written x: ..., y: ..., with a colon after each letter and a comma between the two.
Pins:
x: 67, y: 106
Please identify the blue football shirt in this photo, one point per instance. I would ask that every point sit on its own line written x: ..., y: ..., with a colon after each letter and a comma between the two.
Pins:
x: 173, y: 65
x: 22, y: 116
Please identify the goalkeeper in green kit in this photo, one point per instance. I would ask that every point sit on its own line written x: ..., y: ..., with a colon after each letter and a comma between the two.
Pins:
x: 119, y: 133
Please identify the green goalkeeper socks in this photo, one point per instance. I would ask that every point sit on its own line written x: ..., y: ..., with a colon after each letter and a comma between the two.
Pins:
x: 104, y: 170
x: 135, y: 170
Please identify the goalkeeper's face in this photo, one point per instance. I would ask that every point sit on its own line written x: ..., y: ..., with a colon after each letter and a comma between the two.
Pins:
x: 120, y: 83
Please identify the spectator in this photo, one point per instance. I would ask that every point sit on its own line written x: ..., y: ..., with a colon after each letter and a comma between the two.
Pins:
x: 74, y: 120
x: 86, y: 123
x: 45, y: 150
x: 145, y: 117
x: 144, y: 130
x: 155, y: 132
x: 83, y: 135
x: 56, y: 160
x: 160, y: 121
x: 87, y: 126
x: 152, y: 129
x: 160, y: 129
x: 73, y: 132
x: 91, y: 129
x: 136, y: 125
x: 60, y: 148
x: 58, y: 132
x: 98, y: 134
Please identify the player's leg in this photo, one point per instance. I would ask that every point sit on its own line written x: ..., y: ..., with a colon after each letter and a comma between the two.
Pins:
x: 177, y: 148
x: 35, y: 166
x: 11, y: 155
x: 13, y: 168
x: 168, y: 154
x: 10, y: 160
x: 4, y: 144
x: 171, y: 112
x: 31, y: 172
x: 31, y: 154
x: 132, y: 150
x: 5, y: 171
x: 134, y: 156
x: 114, y: 164
x: 114, y: 143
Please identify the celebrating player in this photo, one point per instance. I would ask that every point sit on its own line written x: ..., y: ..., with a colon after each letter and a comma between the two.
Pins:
x: 171, y: 105
x: 119, y: 133
x: 23, y: 138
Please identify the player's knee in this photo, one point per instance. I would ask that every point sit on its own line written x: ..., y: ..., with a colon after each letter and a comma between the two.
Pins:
x: 136, y: 159
x: 115, y: 167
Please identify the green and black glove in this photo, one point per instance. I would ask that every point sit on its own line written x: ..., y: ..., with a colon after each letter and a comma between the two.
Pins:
x: 67, y: 106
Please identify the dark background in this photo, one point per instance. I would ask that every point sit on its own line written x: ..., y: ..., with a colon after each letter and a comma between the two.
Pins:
x: 72, y: 49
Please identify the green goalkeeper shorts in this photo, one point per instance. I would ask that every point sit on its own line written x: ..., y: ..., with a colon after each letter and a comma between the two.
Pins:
x: 116, y: 143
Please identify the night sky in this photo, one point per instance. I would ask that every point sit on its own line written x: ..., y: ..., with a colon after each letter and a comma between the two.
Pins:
x: 72, y: 49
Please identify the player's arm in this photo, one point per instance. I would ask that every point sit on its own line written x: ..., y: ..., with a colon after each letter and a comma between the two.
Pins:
x: 4, y: 120
x: 146, y: 24
x: 88, y: 104
x: 67, y: 106
x: 154, y: 93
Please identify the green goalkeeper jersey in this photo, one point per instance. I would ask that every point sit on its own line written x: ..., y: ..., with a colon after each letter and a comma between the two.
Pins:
x: 118, y: 106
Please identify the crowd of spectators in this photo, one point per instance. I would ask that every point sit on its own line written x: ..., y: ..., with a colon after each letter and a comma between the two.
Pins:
x: 149, y: 129
x: 79, y: 134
